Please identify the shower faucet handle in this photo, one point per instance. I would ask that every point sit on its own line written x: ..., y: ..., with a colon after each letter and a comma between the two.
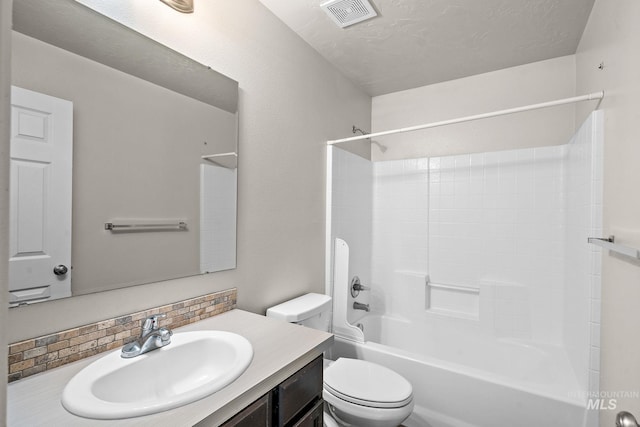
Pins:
x: 356, y: 286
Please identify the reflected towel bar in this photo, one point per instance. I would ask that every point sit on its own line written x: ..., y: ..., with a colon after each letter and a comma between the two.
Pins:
x: 610, y: 243
x: 181, y: 225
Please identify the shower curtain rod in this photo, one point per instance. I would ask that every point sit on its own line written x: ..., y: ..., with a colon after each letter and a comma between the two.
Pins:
x: 588, y: 97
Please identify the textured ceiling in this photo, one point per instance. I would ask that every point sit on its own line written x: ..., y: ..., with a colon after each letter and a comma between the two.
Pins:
x: 414, y: 43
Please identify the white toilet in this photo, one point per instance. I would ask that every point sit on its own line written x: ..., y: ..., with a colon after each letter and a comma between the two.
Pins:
x: 358, y: 393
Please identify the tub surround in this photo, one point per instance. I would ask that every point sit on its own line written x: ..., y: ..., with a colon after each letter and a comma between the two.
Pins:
x: 36, y: 355
x: 280, y: 350
x: 485, y: 249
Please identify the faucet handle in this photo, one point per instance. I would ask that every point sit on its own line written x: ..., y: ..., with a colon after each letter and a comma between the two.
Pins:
x: 165, y: 335
x: 357, y: 287
x: 151, y: 322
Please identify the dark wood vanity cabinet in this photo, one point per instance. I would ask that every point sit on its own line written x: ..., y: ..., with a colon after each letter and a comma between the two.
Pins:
x: 298, y: 395
x: 311, y: 418
x: 296, y: 402
x: 258, y: 414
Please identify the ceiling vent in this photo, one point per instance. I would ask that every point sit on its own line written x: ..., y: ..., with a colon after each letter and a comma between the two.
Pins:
x: 348, y: 12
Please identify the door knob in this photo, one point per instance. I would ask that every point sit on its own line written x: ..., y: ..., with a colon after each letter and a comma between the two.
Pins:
x: 60, y: 270
x: 625, y: 419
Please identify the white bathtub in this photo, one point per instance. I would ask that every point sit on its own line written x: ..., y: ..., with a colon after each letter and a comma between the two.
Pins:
x: 470, y: 380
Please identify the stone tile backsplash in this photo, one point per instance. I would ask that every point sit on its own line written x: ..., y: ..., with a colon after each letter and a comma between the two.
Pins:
x: 39, y: 354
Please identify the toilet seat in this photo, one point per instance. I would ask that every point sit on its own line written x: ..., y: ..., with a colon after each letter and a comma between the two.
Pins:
x: 367, y: 384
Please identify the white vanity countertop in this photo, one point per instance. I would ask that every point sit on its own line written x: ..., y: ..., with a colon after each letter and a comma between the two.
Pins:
x: 280, y: 349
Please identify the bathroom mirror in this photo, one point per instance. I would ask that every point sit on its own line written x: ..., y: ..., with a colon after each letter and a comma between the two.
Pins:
x: 154, y: 144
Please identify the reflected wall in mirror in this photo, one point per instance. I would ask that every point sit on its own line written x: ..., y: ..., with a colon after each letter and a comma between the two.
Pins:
x: 148, y: 126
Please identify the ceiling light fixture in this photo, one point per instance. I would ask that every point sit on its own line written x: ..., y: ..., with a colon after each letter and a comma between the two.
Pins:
x: 184, y: 6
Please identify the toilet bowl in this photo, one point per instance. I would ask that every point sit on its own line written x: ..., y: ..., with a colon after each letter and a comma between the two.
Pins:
x: 357, y: 393
x: 362, y: 393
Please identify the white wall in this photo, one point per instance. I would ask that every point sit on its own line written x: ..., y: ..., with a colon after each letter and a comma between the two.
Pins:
x: 511, y: 87
x: 612, y: 36
x: 5, y: 75
x: 291, y: 102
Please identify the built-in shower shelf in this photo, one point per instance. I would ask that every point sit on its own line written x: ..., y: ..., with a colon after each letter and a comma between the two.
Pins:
x: 610, y: 244
x: 453, y: 300
x: 226, y: 160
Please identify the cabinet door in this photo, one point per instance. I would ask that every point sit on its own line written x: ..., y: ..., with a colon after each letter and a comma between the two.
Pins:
x: 258, y: 414
x: 313, y: 418
x: 298, y: 392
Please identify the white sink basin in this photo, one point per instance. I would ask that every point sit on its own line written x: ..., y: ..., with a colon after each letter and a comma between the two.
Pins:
x: 193, y: 366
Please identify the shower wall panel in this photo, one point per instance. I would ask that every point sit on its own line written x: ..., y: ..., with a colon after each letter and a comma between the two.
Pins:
x: 400, y: 236
x: 507, y: 226
x: 496, y: 223
x: 351, y: 198
x: 583, y: 213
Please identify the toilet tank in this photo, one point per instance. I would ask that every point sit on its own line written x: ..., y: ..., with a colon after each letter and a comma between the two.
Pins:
x: 311, y: 310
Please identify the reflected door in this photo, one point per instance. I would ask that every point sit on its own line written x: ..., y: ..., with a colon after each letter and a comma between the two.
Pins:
x: 40, y: 197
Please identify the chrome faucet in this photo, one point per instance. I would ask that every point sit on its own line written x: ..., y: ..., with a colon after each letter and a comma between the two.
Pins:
x: 151, y: 337
x: 359, y: 306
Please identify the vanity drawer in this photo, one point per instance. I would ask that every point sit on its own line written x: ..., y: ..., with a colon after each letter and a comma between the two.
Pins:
x: 298, y: 392
x: 313, y: 418
x: 258, y: 414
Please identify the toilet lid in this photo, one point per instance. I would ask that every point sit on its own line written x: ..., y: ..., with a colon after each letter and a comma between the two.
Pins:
x: 368, y: 384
